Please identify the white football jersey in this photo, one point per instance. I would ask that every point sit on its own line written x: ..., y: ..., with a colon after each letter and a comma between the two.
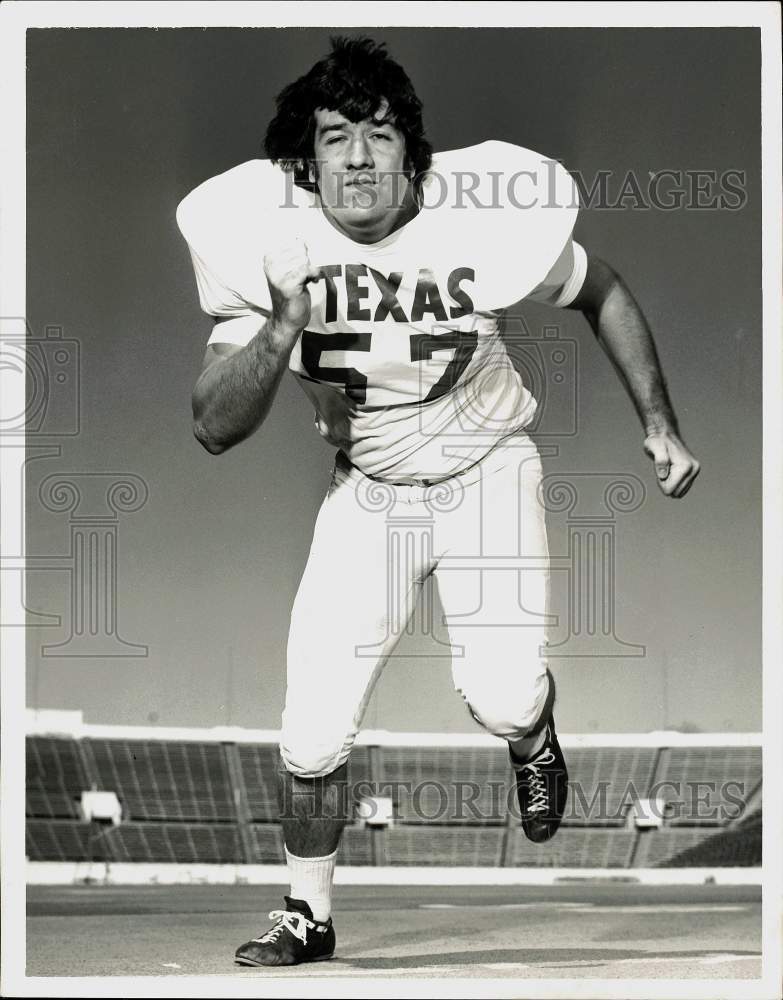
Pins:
x: 404, y: 358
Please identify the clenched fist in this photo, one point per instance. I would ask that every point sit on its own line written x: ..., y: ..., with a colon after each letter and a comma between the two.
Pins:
x: 288, y: 271
x: 675, y: 466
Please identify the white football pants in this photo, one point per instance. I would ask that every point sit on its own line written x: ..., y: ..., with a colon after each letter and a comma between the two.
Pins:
x: 483, y: 535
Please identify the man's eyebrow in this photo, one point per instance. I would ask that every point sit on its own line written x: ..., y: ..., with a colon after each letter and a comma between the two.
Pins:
x: 339, y: 126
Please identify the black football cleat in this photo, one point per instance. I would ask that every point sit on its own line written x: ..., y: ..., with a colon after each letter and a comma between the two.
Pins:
x: 542, y: 788
x: 296, y: 937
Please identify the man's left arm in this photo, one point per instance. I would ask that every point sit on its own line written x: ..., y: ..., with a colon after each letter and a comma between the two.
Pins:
x: 623, y: 333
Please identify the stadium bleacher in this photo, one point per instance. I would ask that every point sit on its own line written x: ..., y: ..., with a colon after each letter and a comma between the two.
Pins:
x: 657, y: 847
x: 604, y: 781
x: 203, y: 843
x: 165, y: 780
x: 574, y: 848
x: 214, y: 801
x: 443, y: 845
x: 736, y: 847
x: 259, y: 767
x: 446, y: 785
x: 718, y: 780
x: 66, y: 840
x: 356, y: 847
x: 55, y: 777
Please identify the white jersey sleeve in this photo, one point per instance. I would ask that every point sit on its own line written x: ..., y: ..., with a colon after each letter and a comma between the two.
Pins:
x: 215, y: 297
x: 220, y: 224
x: 238, y: 322
x: 239, y: 330
x: 564, y: 281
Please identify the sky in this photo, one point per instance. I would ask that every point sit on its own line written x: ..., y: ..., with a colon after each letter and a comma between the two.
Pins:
x: 123, y: 123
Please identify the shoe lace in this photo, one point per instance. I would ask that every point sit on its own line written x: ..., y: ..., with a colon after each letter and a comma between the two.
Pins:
x: 539, y: 796
x: 295, y: 923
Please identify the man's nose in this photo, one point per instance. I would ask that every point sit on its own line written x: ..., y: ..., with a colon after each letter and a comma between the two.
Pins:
x: 359, y: 155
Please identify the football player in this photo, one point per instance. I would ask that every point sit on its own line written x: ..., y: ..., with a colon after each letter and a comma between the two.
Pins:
x: 380, y: 276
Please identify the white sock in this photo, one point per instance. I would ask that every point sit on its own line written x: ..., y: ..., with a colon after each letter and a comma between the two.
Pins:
x: 311, y: 881
x: 528, y: 746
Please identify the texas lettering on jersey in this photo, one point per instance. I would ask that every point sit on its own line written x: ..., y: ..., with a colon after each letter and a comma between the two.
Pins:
x: 388, y: 339
x: 426, y: 297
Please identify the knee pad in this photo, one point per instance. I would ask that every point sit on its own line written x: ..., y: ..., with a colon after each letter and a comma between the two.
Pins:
x: 312, y: 760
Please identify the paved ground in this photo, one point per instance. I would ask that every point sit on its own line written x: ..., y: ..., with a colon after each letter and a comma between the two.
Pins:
x: 569, y: 931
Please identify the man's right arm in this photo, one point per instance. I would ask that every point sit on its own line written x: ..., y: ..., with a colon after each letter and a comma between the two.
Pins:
x: 237, y: 385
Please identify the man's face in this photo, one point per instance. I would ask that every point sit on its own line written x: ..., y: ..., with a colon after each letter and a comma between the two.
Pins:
x: 360, y: 167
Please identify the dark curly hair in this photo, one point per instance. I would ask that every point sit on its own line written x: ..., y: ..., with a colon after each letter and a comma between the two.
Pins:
x: 353, y: 79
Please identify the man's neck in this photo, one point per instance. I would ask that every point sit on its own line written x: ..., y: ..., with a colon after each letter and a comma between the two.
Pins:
x: 378, y: 229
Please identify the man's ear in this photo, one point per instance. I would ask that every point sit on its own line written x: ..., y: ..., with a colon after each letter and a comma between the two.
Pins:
x: 306, y: 174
